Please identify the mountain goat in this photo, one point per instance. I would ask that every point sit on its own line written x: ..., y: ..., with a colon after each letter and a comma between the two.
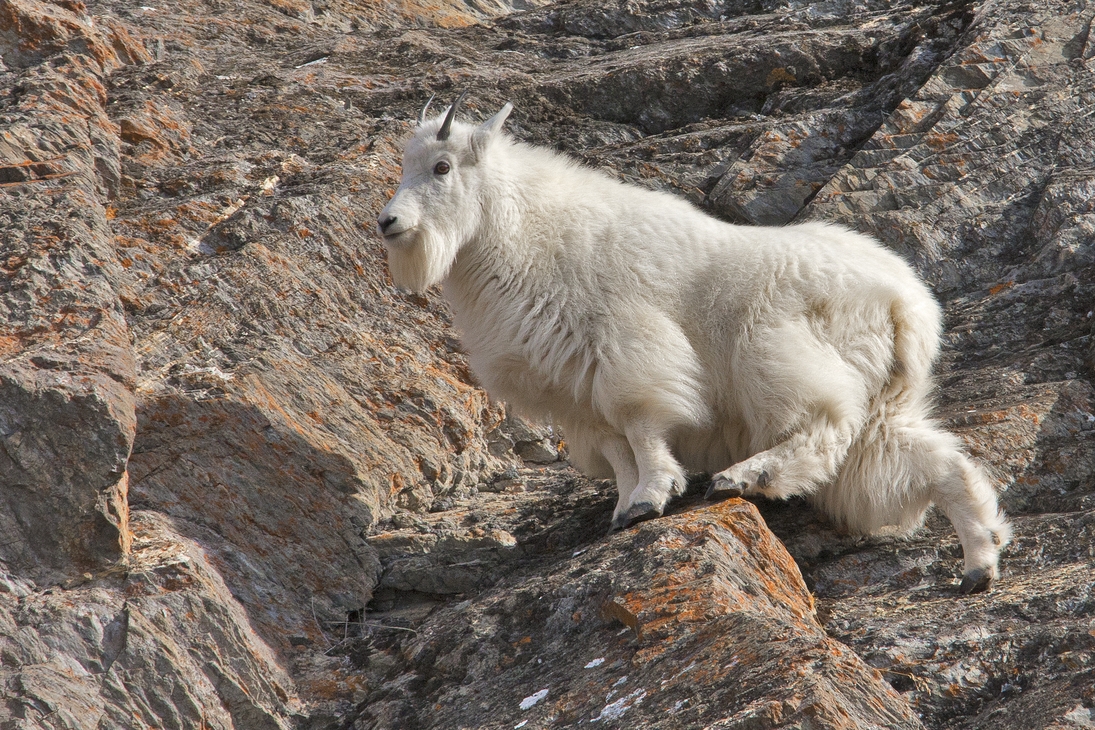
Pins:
x: 785, y: 361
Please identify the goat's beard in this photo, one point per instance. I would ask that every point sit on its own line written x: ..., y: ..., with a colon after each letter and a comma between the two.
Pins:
x: 423, y: 263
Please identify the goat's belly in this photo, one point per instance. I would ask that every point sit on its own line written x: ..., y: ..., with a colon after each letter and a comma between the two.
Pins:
x: 712, y: 449
x: 527, y: 391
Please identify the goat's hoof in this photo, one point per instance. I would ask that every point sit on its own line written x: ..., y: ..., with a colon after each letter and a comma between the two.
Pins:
x: 641, y: 512
x: 619, y: 522
x: 722, y: 488
x: 976, y: 581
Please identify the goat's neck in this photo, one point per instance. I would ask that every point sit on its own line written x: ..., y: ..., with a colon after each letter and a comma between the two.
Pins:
x: 498, y: 259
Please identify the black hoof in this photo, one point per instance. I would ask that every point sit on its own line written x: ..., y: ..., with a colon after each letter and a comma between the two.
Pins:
x: 724, y: 489
x: 619, y: 522
x: 641, y: 512
x: 975, y: 581
x: 762, y: 479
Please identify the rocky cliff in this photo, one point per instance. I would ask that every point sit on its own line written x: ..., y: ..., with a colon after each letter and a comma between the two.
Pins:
x: 245, y: 484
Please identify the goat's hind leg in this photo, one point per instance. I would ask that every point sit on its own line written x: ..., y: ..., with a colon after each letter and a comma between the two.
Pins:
x: 923, y: 464
x: 804, y: 401
x: 969, y: 502
x: 796, y: 466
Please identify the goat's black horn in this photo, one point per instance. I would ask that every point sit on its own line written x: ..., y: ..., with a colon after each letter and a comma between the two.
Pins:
x: 443, y: 133
x: 422, y: 116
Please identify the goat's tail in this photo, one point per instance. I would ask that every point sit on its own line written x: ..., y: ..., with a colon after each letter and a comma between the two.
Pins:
x: 917, y: 328
x: 885, y: 477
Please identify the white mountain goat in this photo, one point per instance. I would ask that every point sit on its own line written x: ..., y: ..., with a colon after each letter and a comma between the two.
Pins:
x: 786, y: 361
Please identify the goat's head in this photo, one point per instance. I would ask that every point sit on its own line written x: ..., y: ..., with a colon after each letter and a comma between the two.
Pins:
x: 437, y: 207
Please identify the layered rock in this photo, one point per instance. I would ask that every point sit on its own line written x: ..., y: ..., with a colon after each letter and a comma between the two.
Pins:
x: 699, y: 618
x: 66, y: 383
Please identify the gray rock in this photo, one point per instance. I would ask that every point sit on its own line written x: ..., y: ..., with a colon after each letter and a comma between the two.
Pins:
x: 67, y: 369
x: 697, y: 618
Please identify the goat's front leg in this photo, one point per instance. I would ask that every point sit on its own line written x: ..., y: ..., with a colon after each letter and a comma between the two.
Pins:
x: 618, y: 454
x: 660, y: 477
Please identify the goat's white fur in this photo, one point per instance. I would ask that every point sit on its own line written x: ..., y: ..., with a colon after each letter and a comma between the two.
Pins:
x: 796, y: 360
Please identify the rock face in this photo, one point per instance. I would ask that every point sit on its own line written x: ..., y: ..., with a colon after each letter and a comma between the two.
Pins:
x: 244, y: 483
x: 66, y: 388
x: 699, y: 617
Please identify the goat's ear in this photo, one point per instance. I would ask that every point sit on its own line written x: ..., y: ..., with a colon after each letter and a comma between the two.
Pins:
x: 495, y: 123
x: 488, y: 129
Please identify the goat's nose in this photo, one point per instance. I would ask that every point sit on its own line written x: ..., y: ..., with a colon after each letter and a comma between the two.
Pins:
x: 386, y: 222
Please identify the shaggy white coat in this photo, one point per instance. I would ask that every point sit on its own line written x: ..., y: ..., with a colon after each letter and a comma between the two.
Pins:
x: 786, y: 361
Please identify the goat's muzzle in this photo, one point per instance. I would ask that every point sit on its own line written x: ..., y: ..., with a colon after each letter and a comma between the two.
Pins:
x: 386, y: 222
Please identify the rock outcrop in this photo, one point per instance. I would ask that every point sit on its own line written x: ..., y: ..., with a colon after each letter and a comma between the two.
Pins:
x: 244, y: 483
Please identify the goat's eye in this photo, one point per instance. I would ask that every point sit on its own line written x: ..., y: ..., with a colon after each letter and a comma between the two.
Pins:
x: 441, y: 168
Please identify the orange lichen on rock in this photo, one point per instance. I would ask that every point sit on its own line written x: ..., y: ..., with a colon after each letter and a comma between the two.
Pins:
x: 766, y: 579
x: 160, y: 128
